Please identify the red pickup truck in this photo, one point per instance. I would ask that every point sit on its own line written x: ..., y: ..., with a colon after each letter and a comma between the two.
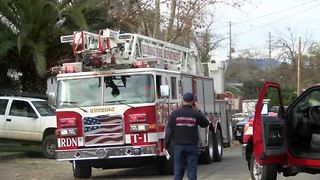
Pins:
x: 287, y: 142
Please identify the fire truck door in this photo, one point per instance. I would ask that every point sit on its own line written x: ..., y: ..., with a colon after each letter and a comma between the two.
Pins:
x: 199, y: 93
x: 269, y: 130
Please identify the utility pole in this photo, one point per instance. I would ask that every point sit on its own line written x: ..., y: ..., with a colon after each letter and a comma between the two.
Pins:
x: 269, y: 46
x: 230, y: 46
x: 270, y: 64
x: 298, y: 67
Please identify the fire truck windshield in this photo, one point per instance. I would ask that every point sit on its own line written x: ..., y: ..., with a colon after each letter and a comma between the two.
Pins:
x: 132, y: 88
x: 97, y: 91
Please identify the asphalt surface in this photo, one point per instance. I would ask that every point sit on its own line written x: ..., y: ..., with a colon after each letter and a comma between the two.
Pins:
x: 31, y: 165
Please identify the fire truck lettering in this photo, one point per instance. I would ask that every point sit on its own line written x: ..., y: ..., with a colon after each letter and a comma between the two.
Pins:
x: 67, y: 142
x: 101, y: 110
x: 73, y: 142
x: 63, y: 142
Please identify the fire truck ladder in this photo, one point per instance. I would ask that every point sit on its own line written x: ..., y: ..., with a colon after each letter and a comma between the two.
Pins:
x: 168, y: 55
x: 87, y: 42
x: 130, y: 49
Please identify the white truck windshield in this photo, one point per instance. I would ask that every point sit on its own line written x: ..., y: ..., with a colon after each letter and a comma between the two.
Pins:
x: 97, y: 91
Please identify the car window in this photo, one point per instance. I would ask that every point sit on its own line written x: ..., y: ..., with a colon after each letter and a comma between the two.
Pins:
x: 310, y: 100
x: 314, y: 98
x: 3, y: 106
x: 21, y: 108
x: 43, y: 108
x: 240, y: 115
x: 247, y: 118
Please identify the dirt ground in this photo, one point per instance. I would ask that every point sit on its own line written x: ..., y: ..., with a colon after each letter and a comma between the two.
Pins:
x: 34, y: 169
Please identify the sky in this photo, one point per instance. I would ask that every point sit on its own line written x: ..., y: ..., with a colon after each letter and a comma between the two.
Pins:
x: 251, y: 24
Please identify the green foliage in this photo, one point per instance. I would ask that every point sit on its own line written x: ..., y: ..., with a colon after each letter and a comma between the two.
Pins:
x: 273, y: 96
x: 29, y: 26
x: 29, y: 33
x: 288, y: 94
x: 251, y: 89
x: 243, y: 71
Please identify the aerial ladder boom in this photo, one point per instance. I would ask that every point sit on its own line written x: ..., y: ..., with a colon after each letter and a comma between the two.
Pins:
x: 111, y: 47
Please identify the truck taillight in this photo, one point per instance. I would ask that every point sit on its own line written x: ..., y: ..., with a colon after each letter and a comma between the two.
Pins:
x: 137, y: 117
x: 248, y: 128
x: 67, y: 127
x: 67, y: 122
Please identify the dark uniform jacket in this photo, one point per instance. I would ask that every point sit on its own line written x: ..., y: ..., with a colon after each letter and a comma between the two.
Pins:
x: 183, y: 124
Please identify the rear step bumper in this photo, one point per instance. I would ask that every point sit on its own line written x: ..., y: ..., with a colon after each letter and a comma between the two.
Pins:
x: 106, y: 153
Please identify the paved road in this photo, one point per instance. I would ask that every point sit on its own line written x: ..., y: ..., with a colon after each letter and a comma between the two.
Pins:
x: 232, y: 167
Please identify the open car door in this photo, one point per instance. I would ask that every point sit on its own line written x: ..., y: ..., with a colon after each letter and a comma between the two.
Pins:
x: 269, y: 142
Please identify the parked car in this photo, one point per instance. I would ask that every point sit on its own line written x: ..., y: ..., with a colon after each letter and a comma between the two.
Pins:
x: 237, y: 117
x: 28, y: 120
x: 239, y: 129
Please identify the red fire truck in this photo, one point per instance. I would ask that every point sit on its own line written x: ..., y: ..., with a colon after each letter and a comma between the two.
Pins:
x: 113, y: 103
x: 288, y: 143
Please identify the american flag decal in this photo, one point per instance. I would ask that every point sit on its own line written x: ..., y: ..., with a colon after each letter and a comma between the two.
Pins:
x: 105, y: 130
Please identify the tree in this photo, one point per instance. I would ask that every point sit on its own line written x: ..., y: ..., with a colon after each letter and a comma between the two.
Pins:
x: 205, y: 43
x: 173, y: 6
x: 29, y: 29
x: 131, y: 16
x: 156, y: 29
x: 310, y: 65
x: 147, y: 17
x: 288, y: 47
x: 251, y: 89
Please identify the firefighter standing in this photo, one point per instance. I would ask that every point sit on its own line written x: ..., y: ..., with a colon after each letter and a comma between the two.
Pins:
x: 182, y: 129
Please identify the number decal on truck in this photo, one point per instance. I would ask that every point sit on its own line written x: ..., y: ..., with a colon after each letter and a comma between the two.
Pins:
x: 137, y: 138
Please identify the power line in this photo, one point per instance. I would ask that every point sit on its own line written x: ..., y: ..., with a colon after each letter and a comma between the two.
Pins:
x: 272, y: 22
x: 266, y: 15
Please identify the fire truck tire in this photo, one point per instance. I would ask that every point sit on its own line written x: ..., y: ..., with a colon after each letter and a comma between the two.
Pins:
x: 262, y: 172
x: 49, y: 145
x: 81, y: 170
x: 165, y: 166
x: 206, y: 157
x: 217, y: 146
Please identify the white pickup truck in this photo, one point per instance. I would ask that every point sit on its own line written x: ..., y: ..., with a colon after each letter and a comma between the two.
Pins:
x: 29, y: 120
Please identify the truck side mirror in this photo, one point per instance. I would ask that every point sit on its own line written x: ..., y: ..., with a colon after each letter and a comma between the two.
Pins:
x: 164, y: 90
x: 52, y: 99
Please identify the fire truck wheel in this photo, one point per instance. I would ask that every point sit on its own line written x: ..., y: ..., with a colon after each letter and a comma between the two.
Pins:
x: 49, y: 145
x: 217, y: 146
x: 81, y: 170
x: 165, y: 166
x: 206, y: 157
x: 262, y: 172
